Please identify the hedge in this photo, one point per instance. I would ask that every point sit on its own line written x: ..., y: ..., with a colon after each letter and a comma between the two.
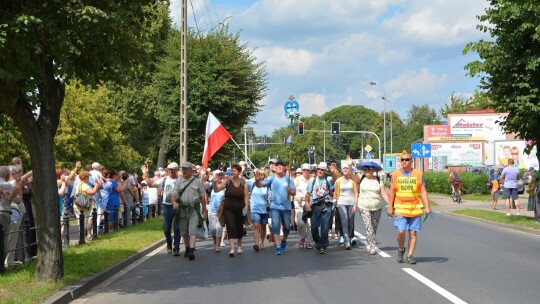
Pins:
x: 470, y: 183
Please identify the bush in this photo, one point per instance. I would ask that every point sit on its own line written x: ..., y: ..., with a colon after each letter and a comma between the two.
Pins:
x: 470, y: 183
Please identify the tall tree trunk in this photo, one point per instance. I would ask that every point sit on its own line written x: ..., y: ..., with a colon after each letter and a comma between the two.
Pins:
x: 38, y: 134
x: 163, y: 150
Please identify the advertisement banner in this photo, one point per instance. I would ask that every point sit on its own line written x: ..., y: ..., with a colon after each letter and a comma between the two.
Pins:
x: 476, y: 127
x: 504, y: 150
x: 458, y: 154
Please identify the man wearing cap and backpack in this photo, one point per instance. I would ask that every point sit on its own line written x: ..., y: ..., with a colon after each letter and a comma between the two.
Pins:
x: 167, y: 184
x: 319, y: 202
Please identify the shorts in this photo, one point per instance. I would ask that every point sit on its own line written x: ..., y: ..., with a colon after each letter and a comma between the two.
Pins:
x: 510, y: 192
x: 408, y: 223
x: 496, y: 195
x: 261, y: 218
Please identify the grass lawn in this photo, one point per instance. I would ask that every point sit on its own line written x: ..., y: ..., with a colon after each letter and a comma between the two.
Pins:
x: 523, y: 221
x: 17, y: 285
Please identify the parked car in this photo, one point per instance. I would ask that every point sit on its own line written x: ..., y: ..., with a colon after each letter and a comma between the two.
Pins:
x: 491, y: 168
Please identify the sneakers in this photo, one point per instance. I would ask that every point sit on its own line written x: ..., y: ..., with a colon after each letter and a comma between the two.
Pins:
x: 302, y: 244
x: 231, y: 253
x: 400, y: 254
x: 322, y: 250
x: 176, y: 252
x: 222, y: 244
x: 317, y: 247
x: 283, y: 246
x: 186, y: 253
x: 169, y: 249
x: 191, y: 254
x: 256, y: 248
x: 307, y: 245
x: 347, y: 246
x: 239, y: 250
x: 279, y: 250
x: 341, y: 240
x: 372, y: 251
x: 410, y: 260
x: 218, y: 249
x: 353, y: 241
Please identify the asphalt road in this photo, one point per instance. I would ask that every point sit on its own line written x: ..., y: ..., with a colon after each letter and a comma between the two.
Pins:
x: 459, y: 261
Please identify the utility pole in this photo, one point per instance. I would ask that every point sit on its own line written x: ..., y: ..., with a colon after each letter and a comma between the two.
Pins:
x: 183, y: 86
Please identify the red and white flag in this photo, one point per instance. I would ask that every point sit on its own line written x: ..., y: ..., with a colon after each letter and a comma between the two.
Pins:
x: 216, y: 136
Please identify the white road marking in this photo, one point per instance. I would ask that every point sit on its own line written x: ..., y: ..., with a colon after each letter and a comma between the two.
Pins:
x: 362, y: 240
x: 443, y: 292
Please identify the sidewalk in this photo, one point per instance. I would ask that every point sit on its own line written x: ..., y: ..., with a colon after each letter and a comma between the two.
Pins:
x: 446, y: 204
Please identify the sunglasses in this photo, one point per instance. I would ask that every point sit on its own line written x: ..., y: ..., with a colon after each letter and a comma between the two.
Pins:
x: 369, y: 169
x: 405, y: 159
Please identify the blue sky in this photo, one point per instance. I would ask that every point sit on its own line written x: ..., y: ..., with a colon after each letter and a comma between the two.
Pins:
x: 326, y: 53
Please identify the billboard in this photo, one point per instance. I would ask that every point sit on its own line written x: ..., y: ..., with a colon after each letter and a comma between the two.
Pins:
x: 476, y: 126
x: 456, y: 154
x: 504, y: 150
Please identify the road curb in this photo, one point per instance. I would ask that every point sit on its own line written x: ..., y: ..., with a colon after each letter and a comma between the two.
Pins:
x: 497, y: 224
x: 80, y: 288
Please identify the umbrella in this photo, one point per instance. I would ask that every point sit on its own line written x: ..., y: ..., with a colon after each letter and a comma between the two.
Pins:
x: 362, y: 165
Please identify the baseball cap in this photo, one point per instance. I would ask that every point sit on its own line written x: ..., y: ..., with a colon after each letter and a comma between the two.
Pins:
x: 187, y: 165
x: 95, y: 165
x: 322, y: 165
x: 172, y: 165
x: 279, y: 162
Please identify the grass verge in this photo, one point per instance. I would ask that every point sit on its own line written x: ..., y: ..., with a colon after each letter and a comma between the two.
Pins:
x: 522, y: 221
x: 17, y: 285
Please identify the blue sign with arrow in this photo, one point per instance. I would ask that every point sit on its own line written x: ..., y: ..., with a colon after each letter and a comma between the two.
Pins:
x: 421, y: 150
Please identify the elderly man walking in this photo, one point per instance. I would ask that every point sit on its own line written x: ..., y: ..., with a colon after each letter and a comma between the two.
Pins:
x: 188, y: 197
x: 510, y: 177
x: 319, y: 201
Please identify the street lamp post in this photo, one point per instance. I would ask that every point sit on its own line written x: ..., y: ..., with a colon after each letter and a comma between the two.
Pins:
x: 384, y: 124
x: 391, y: 119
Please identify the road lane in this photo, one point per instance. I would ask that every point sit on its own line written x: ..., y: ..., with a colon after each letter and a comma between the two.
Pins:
x: 470, y: 260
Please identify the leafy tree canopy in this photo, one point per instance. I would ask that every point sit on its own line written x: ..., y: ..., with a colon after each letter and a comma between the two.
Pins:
x: 509, y: 64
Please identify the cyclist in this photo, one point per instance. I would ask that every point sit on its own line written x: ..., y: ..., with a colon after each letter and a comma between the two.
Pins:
x: 455, y: 181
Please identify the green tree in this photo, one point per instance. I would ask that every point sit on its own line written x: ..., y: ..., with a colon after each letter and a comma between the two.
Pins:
x: 89, y: 131
x: 12, y: 144
x: 509, y: 64
x: 460, y: 104
x: 223, y: 78
x: 42, y: 46
x: 417, y: 118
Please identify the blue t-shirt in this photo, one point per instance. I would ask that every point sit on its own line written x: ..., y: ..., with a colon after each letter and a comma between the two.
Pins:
x: 105, y: 191
x: 259, y: 197
x: 215, y: 200
x: 319, y: 188
x: 114, y: 197
x: 278, y: 188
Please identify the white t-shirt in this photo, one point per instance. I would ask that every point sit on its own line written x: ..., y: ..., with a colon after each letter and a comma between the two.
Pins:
x: 167, y: 188
x: 369, y: 194
x: 346, y: 192
x: 152, y: 196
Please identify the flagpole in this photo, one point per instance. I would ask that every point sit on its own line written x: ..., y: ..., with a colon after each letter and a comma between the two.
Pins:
x: 247, y: 157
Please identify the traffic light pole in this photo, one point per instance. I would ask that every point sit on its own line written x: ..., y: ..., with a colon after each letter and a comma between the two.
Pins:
x: 354, y: 132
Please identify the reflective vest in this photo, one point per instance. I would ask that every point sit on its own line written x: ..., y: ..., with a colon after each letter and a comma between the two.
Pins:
x: 407, y: 202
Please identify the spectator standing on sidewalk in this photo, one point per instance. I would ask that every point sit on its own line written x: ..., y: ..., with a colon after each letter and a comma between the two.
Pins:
x: 407, y: 196
x: 510, y: 176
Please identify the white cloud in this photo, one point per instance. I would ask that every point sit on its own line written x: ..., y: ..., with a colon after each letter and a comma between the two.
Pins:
x: 414, y: 82
x: 312, y: 103
x: 281, y: 61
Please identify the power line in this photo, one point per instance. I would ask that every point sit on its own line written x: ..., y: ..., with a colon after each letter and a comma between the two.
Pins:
x: 194, y: 16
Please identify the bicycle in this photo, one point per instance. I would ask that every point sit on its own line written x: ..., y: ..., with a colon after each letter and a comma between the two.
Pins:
x: 456, y: 193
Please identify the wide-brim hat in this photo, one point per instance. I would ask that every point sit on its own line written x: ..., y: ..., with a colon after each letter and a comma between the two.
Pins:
x: 363, y: 165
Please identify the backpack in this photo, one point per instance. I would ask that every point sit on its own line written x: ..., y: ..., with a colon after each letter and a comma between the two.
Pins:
x: 455, y: 177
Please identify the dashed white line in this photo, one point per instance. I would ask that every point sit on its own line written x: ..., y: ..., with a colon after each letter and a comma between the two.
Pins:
x: 443, y: 292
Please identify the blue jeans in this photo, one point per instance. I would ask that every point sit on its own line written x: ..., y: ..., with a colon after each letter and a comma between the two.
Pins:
x: 320, y: 218
x: 280, y: 217
x: 168, y: 219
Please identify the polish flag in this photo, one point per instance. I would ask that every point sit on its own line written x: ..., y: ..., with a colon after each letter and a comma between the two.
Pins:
x: 216, y: 136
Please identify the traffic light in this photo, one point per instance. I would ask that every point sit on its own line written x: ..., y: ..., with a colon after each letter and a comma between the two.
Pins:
x: 335, y: 128
x: 300, y: 128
